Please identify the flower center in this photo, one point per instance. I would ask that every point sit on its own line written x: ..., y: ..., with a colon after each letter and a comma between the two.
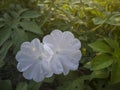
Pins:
x: 46, y: 54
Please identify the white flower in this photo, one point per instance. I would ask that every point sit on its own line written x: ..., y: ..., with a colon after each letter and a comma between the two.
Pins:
x: 66, y: 53
x: 59, y: 53
x: 33, y: 60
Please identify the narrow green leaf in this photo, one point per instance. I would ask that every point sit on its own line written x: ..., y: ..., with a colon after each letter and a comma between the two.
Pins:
x: 99, y: 74
x: 4, y: 35
x: 30, y: 14
x: 114, y: 20
x: 98, y: 21
x: 100, y: 46
x: 113, y: 43
x: 2, y: 24
x: 101, y: 61
x: 31, y: 27
x: 18, y: 37
x: 22, y: 86
x: 21, y: 11
x: 116, y: 53
x: 5, y: 85
x: 4, y: 50
x: 115, y: 73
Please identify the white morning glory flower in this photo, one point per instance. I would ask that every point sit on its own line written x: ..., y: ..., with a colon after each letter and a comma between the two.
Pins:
x: 33, y: 59
x: 66, y: 53
x: 59, y: 53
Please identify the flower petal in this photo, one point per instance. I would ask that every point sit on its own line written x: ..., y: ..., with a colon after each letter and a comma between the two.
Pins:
x: 56, y: 34
x: 28, y: 74
x: 37, y: 45
x: 38, y: 75
x: 56, y: 65
x: 67, y: 64
x: 46, y: 68
x: 21, y: 56
x: 22, y: 66
x: 67, y: 36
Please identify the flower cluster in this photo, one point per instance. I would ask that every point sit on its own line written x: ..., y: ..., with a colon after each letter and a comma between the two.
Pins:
x: 58, y: 53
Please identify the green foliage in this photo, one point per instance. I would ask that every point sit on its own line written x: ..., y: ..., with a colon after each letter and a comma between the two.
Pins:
x: 21, y: 86
x: 30, y: 14
x: 33, y: 85
x: 16, y: 26
x: 96, y: 23
x: 4, y: 51
x: 100, y: 46
x: 5, y: 85
x: 115, y: 72
x: 101, y: 61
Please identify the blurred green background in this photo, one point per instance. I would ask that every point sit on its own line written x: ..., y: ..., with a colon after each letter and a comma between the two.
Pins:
x: 96, y: 23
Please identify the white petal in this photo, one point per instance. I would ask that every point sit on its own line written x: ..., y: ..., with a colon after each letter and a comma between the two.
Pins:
x: 46, y: 69
x: 73, y: 44
x: 56, y: 65
x: 56, y: 34
x: 28, y: 74
x: 37, y: 45
x: 38, y: 75
x: 26, y: 45
x: 54, y: 39
x: 21, y: 56
x: 67, y: 64
x: 27, y: 49
x: 76, y: 44
x: 22, y: 66
x: 67, y: 36
x: 48, y: 39
x: 35, y: 41
x: 73, y: 56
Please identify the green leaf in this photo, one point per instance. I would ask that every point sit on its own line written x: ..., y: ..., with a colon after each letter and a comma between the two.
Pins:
x: 1, y: 19
x: 112, y: 87
x: 77, y: 84
x: 49, y: 80
x: 31, y: 36
x: 65, y: 81
x: 4, y: 50
x: 22, y: 86
x: 115, y: 73
x: 98, y: 21
x: 114, y: 20
x: 30, y: 14
x: 113, y: 43
x: 2, y: 24
x: 5, y: 85
x: 33, y: 85
x: 99, y: 74
x: 21, y: 11
x: 116, y: 53
x: 18, y: 37
x: 4, y: 35
x: 100, y: 46
x: 31, y: 26
x: 101, y: 61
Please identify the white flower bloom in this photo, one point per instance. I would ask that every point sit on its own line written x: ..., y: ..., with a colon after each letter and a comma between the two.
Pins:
x: 66, y: 53
x: 33, y: 59
x: 59, y: 53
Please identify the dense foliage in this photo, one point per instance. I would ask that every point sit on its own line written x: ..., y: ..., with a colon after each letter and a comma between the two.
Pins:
x: 96, y: 23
